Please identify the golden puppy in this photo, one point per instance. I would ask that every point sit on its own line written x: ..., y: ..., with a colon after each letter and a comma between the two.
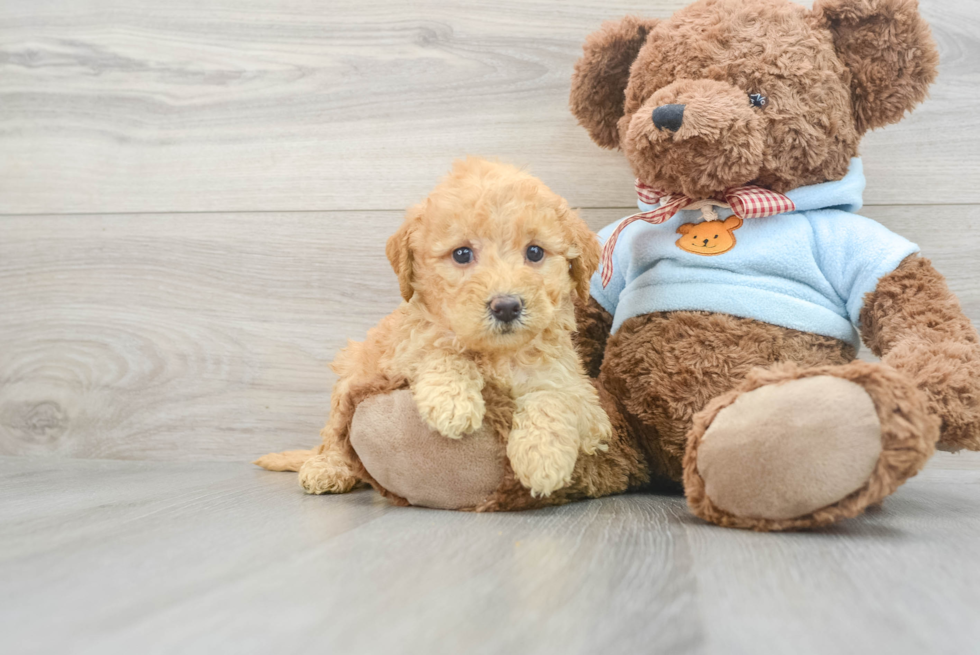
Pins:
x: 487, y: 266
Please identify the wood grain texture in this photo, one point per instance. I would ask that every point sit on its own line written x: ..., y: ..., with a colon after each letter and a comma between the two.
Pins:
x: 121, y: 557
x: 273, y: 105
x: 194, y: 199
x: 181, y: 337
x: 188, y: 337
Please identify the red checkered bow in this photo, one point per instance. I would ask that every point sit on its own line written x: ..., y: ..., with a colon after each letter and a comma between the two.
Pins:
x: 746, y: 202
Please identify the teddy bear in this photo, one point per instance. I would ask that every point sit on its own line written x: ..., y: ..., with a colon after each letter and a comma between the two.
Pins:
x: 722, y: 329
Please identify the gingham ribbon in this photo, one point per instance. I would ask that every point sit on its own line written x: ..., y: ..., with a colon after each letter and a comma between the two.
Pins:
x: 746, y: 202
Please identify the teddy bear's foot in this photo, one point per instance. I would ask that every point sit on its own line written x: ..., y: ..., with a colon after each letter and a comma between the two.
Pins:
x: 408, y: 459
x: 793, y: 449
x: 327, y: 473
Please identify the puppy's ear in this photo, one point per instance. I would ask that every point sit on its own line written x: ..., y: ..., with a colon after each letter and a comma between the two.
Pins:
x: 888, y: 49
x: 584, y: 253
x: 602, y: 73
x: 399, y: 250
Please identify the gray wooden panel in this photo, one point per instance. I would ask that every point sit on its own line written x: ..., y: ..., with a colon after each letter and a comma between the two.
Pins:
x: 121, y: 557
x: 181, y: 337
x: 190, y: 337
x: 258, y: 105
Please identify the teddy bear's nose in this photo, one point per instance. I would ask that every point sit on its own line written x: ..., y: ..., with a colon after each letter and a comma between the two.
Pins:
x: 668, y: 117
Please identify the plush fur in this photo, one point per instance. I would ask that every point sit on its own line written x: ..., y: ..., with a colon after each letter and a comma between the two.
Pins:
x: 664, y: 368
x: 828, y: 75
x: 446, y: 345
x: 908, y: 435
x: 916, y: 325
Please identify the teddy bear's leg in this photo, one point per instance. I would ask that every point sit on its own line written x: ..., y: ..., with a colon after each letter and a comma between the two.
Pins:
x: 408, y: 462
x: 664, y: 368
x: 794, y: 448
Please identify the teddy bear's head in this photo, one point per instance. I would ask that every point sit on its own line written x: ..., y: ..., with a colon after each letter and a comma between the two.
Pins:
x: 727, y: 92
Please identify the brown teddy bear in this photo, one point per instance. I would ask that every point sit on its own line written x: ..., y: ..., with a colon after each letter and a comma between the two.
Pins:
x: 723, y: 327
x: 732, y: 360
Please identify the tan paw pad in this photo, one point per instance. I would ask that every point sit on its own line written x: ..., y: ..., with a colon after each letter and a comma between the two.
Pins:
x: 783, y: 451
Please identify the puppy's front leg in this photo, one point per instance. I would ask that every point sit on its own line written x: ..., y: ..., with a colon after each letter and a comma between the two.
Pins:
x: 556, y: 416
x: 448, y: 391
x: 544, y: 442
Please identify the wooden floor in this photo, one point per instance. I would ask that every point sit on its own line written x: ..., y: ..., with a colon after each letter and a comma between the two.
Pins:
x: 106, y: 557
x: 194, y: 199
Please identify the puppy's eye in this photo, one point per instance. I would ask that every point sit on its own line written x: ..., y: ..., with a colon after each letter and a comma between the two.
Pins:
x: 462, y: 255
x: 535, y: 253
x: 758, y: 100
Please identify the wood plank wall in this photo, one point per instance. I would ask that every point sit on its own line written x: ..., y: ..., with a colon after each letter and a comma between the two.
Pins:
x: 194, y: 195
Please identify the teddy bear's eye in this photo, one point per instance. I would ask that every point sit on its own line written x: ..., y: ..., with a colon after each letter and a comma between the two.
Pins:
x: 462, y: 255
x: 716, y: 236
x: 758, y: 100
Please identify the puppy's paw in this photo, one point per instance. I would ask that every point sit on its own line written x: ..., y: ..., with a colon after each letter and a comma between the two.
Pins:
x: 327, y: 473
x: 596, y: 431
x: 450, y: 412
x: 542, y: 463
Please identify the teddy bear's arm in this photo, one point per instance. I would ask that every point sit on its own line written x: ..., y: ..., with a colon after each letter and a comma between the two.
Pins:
x: 915, y: 324
x: 592, y: 327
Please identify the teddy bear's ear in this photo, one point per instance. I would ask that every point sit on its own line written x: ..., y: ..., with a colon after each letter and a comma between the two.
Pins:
x: 602, y: 73
x: 685, y: 228
x: 399, y: 250
x: 888, y: 48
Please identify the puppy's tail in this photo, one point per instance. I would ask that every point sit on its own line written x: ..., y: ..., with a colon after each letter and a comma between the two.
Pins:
x: 289, y: 460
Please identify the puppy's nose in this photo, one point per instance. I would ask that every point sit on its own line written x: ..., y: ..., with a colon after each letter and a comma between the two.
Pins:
x: 668, y: 117
x: 506, y: 308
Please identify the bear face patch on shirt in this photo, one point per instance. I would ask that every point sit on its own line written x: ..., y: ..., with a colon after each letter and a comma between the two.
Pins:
x: 709, y: 238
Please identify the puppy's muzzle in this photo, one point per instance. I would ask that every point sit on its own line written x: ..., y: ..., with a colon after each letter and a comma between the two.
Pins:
x: 505, y: 309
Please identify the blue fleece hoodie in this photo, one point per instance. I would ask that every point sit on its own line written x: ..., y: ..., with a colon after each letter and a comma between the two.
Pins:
x: 807, y: 270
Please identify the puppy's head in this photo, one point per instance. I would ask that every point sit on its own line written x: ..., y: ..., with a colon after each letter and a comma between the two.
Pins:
x: 494, y: 256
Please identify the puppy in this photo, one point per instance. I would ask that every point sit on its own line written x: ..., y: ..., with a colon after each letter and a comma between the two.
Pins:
x: 488, y: 266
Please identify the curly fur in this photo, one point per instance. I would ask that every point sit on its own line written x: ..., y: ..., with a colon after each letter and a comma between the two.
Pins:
x: 618, y: 468
x: 444, y: 343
